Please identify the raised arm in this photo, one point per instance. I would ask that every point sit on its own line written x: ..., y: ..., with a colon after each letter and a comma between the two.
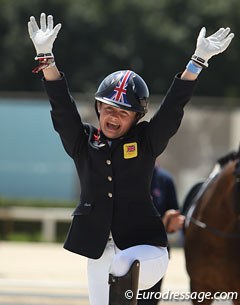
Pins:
x: 206, y: 48
x: 65, y: 116
x: 167, y: 119
x: 43, y: 38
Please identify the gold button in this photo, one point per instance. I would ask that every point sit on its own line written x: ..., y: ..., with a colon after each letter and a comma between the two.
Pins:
x: 108, y: 162
x: 109, y: 178
x: 110, y: 195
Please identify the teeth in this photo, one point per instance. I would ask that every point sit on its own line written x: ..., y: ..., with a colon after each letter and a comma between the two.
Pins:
x: 113, y: 125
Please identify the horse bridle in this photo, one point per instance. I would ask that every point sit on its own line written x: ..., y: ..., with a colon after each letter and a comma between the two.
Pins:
x: 237, y: 188
x: 213, y: 230
x: 236, y: 173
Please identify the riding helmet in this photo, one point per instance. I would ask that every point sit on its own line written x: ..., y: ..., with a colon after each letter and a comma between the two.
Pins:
x: 124, y: 89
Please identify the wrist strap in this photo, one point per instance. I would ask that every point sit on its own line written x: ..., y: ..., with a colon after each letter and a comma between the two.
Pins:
x: 44, y: 63
x: 43, y: 55
x: 193, y: 68
x: 202, y: 62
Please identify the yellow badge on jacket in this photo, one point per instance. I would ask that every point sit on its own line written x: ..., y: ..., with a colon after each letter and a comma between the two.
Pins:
x: 130, y: 150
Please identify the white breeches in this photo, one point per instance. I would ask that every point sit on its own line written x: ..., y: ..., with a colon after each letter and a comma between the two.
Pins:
x: 153, y: 265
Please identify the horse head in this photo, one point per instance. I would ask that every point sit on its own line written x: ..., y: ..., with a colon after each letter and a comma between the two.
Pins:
x: 237, y: 169
x: 216, y: 204
x: 212, y: 238
x: 237, y: 183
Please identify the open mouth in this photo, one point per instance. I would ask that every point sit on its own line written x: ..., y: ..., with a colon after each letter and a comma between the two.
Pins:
x: 113, y: 126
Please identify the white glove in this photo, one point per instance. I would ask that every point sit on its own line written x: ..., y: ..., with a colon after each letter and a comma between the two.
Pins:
x: 44, y: 37
x: 212, y: 45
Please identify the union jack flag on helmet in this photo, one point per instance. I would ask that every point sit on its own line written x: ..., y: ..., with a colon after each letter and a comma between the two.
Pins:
x: 119, y: 93
x: 124, y: 89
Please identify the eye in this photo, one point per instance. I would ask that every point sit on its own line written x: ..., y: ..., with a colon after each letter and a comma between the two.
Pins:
x: 124, y: 114
x: 108, y: 109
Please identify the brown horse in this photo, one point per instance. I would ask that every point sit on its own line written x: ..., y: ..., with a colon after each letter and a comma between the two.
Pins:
x: 212, y: 234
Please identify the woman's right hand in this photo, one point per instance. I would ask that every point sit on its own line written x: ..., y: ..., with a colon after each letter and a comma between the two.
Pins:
x: 43, y: 37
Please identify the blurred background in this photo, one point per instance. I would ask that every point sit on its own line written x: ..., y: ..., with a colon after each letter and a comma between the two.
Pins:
x: 155, y: 39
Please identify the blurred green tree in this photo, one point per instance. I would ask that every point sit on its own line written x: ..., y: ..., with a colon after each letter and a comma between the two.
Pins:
x: 154, y: 38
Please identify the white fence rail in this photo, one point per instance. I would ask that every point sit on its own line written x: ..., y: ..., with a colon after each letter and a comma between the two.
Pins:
x: 49, y: 217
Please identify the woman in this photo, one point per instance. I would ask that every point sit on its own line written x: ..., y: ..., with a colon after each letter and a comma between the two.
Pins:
x: 116, y: 225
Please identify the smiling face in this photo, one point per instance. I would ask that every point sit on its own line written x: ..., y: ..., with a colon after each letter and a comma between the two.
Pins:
x: 115, y: 122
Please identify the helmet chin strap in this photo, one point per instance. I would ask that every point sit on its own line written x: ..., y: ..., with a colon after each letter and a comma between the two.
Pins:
x: 139, y: 116
x: 96, y: 108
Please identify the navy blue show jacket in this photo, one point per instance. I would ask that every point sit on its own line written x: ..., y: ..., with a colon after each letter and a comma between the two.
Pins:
x: 115, y: 180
